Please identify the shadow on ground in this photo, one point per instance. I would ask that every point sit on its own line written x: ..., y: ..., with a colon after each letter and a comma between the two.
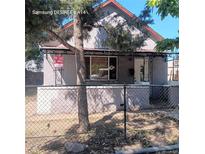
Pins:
x: 107, y: 134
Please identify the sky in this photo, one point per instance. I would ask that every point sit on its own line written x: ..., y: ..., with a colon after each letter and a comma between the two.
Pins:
x: 168, y: 27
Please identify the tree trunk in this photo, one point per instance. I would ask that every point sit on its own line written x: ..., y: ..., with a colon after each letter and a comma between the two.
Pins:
x: 80, y: 69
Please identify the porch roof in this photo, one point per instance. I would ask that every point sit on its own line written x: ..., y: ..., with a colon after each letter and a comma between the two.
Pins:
x: 104, y: 52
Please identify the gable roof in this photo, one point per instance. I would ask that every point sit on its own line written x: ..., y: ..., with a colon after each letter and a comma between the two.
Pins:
x: 153, y: 33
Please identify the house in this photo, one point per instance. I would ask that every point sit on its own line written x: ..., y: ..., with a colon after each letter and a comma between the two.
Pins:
x: 143, y: 65
x: 104, y: 65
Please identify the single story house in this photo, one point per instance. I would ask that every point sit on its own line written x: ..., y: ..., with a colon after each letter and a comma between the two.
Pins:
x: 104, y: 65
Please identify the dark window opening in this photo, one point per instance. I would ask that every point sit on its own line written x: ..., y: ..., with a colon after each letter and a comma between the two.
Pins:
x: 101, y: 68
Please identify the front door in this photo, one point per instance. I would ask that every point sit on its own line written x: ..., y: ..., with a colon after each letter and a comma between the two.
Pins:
x: 141, y: 65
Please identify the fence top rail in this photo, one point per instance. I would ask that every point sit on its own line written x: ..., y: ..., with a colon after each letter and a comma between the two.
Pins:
x: 102, y: 85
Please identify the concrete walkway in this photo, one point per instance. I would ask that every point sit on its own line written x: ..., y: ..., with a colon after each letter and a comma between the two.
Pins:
x: 150, y: 150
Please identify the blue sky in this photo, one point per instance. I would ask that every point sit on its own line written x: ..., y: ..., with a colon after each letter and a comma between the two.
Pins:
x: 168, y: 27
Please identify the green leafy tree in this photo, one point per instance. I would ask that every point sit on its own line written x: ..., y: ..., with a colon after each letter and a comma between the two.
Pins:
x: 120, y: 37
x: 41, y: 28
x: 165, y: 8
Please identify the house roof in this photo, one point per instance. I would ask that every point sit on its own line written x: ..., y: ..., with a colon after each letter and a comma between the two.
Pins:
x: 153, y: 33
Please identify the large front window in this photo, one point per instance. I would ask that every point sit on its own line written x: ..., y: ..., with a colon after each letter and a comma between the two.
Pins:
x: 101, y: 68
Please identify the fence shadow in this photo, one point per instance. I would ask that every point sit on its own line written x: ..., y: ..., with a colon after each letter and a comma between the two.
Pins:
x: 105, y: 135
x: 102, y: 132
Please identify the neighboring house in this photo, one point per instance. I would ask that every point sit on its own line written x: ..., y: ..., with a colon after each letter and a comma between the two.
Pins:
x: 105, y: 65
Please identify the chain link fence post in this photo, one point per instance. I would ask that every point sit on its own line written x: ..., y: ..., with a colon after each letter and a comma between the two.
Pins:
x: 125, y: 114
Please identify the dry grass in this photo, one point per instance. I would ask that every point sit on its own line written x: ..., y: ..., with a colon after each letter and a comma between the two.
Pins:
x: 144, y: 129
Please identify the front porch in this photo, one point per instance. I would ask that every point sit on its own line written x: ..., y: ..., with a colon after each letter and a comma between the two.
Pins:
x: 105, y: 66
x: 144, y: 74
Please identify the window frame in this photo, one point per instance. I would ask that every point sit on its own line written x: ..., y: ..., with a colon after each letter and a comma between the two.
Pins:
x: 108, y: 57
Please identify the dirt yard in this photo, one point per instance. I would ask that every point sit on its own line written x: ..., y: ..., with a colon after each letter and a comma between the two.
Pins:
x: 144, y: 129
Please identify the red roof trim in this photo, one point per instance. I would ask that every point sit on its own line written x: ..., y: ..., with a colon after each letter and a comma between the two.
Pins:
x: 154, y: 34
x: 104, y: 4
x: 68, y: 25
x: 123, y: 9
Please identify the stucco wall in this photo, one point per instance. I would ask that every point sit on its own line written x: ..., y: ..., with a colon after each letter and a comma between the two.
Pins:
x: 159, y: 71
x: 68, y: 73
x: 159, y: 76
x: 48, y: 70
x: 55, y: 100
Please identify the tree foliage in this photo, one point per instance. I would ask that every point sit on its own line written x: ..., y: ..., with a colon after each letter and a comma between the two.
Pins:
x: 38, y: 25
x: 168, y: 44
x: 165, y: 8
x: 121, y: 36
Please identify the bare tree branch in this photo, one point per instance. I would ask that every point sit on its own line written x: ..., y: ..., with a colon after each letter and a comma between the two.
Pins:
x: 66, y: 44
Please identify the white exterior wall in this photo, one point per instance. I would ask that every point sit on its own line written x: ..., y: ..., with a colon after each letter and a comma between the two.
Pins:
x: 149, y: 44
x: 68, y: 73
x: 159, y: 71
x: 48, y: 69
x: 159, y: 75
x: 55, y: 100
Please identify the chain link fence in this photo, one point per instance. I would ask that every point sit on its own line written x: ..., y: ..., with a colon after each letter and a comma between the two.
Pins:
x: 119, y: 115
